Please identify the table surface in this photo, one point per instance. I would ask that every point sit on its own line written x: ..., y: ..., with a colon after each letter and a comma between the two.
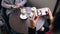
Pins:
x: 19, y: 25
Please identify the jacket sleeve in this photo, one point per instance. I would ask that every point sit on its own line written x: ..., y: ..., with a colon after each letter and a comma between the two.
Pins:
x: 22, y: 2
x: 5, y: 4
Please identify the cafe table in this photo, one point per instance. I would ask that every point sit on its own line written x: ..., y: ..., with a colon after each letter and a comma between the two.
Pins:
x: 21, y: 25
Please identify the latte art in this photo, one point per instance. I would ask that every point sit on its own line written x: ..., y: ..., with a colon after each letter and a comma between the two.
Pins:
x: 23, y: 13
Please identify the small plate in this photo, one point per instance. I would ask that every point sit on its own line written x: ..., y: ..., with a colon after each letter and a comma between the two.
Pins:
x: 23, y: 16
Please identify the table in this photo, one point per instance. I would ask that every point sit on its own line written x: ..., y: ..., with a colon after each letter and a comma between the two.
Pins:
x: 21, y: 26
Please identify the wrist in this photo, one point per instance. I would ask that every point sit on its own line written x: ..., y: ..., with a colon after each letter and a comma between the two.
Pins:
x: 32, y: 25
x: 51, y: 24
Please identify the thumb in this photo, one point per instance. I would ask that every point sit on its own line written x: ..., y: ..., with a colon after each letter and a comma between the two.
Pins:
x: 37, y: 18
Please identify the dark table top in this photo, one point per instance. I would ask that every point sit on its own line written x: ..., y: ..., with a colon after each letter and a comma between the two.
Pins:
x: 21, y: 26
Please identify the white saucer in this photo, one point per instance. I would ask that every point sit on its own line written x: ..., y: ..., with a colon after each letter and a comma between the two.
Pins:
x: 23, y: 16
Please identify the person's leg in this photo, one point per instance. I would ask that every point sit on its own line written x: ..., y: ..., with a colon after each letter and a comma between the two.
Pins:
x: 46, y: 29
x: 31, y: 31
x: 40, y: 32
x: 43, y: 32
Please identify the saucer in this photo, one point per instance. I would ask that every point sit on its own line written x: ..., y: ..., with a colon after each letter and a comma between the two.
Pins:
x: 23, y: 16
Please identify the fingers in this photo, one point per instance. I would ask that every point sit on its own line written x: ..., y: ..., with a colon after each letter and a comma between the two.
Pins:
x: 32, y: 17
x: 32, y: 21
x: 17, y: 5
x: 37, y: 18
x: 12, y: 5
x: 49, y: 12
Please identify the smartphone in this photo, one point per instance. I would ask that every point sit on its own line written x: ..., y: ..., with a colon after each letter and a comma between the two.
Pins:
x: 42, y: 11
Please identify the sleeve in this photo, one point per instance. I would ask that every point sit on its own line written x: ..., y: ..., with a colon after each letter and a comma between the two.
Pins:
x: 22, y: 2
x: 5, y: 4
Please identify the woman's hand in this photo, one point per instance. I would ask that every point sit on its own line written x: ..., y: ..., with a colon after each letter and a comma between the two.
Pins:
x: 33, y: 20
x: 13, y: 6
x: 51, y: 19
x: 50, y: 14
x: 16, y: 6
